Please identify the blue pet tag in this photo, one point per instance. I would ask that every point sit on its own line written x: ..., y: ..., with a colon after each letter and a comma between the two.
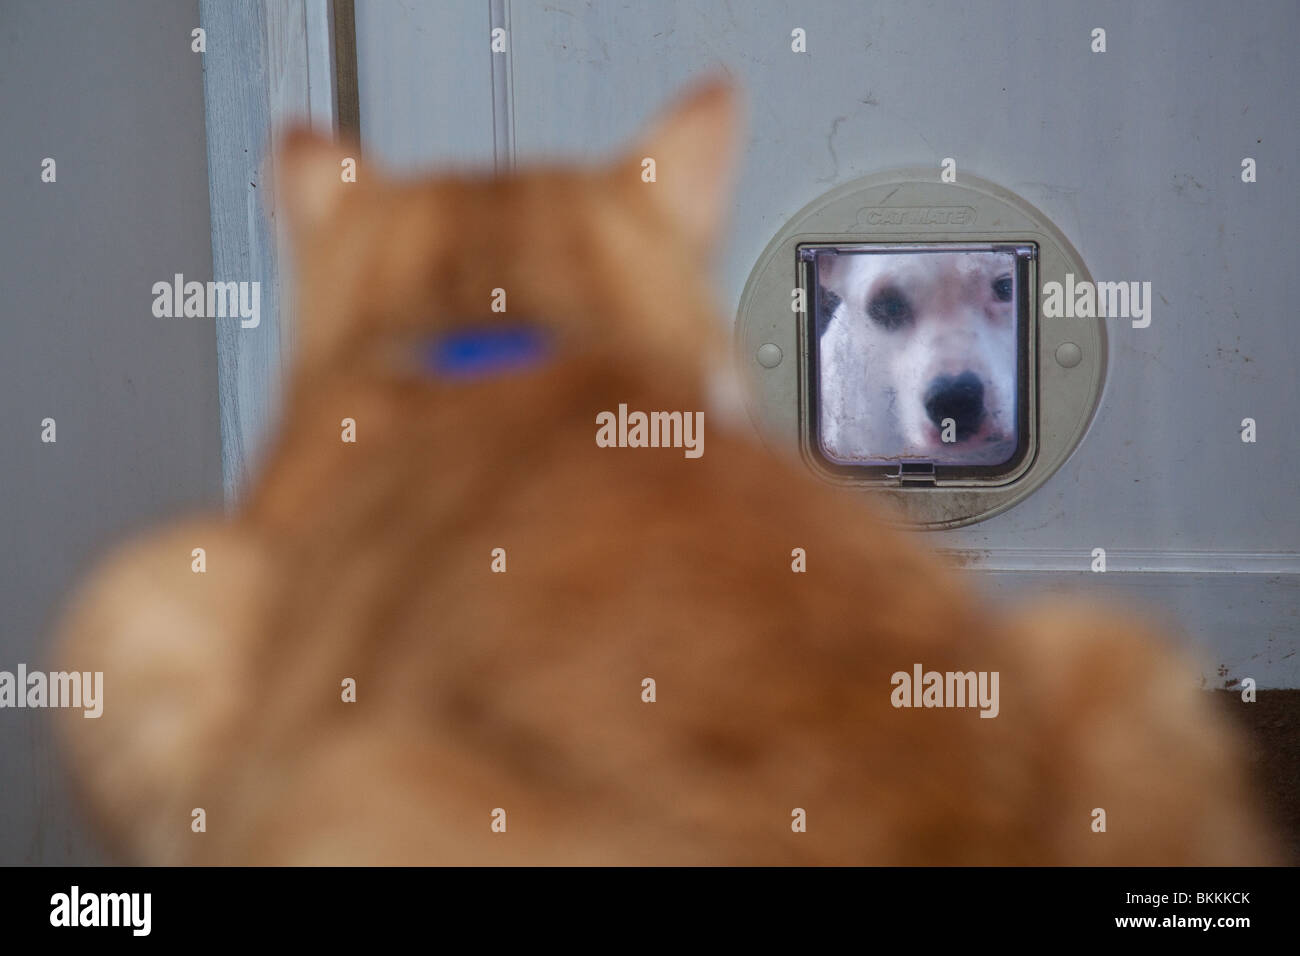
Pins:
x: 482, y: 351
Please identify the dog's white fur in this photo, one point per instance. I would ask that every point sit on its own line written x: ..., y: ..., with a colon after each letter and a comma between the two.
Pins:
x: 874, y: 380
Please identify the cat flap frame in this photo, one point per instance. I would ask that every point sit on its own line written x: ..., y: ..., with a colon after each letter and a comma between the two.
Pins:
x: 1064, y: 359
x: 895, y: 465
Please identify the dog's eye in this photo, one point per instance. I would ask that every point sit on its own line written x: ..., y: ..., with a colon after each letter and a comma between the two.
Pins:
x: 827, y: 301
x: 890, y: 308
x: 1002, y: 288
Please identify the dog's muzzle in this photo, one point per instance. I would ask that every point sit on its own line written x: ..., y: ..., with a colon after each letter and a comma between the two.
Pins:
x: 960, y: 398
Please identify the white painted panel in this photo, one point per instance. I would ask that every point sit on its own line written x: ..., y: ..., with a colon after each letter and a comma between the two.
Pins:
x: 424, y: 78
x: 1134, y: 153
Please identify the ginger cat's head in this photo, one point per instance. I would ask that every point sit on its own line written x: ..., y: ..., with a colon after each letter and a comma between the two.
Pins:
x: 613, y: 254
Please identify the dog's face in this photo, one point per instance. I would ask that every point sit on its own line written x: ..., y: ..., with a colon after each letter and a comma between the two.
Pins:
x: 919, y: 357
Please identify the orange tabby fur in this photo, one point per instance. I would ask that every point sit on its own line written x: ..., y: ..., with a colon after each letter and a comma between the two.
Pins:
x: 522, y: 690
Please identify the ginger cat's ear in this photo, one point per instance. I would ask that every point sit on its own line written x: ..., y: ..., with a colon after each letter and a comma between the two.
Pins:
x: 313, y: 174
x: 694, y: 145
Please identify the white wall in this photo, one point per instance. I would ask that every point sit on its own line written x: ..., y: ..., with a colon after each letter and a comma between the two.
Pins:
x: 114, y: 95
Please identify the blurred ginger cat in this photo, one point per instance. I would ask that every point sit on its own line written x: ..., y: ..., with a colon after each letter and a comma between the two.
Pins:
x: 499, y: 717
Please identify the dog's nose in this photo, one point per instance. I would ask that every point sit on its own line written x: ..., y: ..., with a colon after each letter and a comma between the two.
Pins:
x: 960, y: 398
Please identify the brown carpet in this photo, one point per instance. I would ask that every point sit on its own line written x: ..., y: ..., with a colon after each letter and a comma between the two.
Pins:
x: 1273, y: 724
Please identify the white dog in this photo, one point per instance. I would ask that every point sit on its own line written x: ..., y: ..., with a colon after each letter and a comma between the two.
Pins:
x: 918, y: 360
